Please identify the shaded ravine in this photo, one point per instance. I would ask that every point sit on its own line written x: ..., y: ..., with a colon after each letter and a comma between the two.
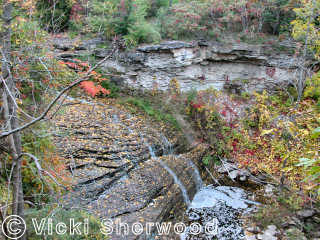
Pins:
x: 124, y: 169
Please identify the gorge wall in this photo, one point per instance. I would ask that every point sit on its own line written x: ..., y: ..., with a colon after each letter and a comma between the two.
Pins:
x: 200, y: 65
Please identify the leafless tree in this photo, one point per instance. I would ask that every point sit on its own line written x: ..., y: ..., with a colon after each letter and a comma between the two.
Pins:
x: 10, y: 111
x: 12, y: 124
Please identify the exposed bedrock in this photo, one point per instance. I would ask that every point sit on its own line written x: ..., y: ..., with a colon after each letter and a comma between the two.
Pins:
x: 116, y: 163
x: 200, y: 65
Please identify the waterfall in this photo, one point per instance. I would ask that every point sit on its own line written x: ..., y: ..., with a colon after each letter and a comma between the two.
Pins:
x: 196, y: 175
x: 168, y: 149
x: 174, y: 176
x: 178, y: 182
x: 115, y: 118
x: 153, y: 155
x: 222, y: 203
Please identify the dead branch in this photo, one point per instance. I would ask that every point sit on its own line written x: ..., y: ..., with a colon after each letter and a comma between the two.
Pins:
x: 223, y: 163
x: 53, y: 102
x: 41, y: 171
x: 211, y: 175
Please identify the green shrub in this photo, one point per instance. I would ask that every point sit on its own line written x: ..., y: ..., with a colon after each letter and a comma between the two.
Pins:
x: 278, y: 15
x: 23, y: 34
x: 41, y: 146
x: 142, y: 32
x: 114, y: 89
x: 63, y: 216
x: 312, y: 165
x: 54, y: 15
x: 312, y: 89
x: 152, y: 112
x: 155, y: 5
x: 101, y: 16
x: 191, y: 95
x: 75, y: 27
x: 126, y: 18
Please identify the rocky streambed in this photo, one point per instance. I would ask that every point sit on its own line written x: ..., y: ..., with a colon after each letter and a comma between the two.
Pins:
x: 124, y: 169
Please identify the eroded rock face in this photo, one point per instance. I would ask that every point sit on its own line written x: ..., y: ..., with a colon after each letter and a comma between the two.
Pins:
x: 114, y: 174
x: 200, y: 65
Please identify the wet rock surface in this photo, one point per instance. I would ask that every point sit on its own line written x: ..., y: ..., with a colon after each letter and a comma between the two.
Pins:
x: 123, y: 169
x: 222, y: 204
x: 114, y: 174
x: 269, y: 234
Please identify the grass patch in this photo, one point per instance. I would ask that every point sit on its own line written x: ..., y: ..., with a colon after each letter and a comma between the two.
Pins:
x: 63, y: 216
x: 146, y: 107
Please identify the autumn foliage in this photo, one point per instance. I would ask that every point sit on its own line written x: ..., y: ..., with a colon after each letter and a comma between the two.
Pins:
x: 92, y: 90
x: 89, y: 87
x: 258, y: 133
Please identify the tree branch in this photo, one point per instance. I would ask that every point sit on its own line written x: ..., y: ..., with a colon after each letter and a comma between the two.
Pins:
x: 40, y: 169
x: 53, y: 102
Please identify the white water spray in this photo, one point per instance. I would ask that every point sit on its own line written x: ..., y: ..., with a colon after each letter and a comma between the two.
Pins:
x: 174, y: 176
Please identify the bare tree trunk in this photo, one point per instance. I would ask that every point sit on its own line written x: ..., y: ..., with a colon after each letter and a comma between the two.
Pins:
x: 10, y: 113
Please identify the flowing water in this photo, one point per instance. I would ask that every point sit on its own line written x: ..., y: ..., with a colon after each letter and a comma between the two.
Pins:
x: 196, y: 175
x: 115, y: 118
x: 224, y: 204
x: 174, y: 176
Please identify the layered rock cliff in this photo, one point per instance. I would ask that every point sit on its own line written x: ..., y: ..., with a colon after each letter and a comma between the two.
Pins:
x: 200, y: 65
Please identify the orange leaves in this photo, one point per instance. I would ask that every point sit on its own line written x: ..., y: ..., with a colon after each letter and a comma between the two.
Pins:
x: 76, y: 64
x: 71, y: 65
x: 103, y: 90
x: 82, y: 68
x: 45, y: 81
x: 88, y: 86
x: 18, y: 85
x: 61, y: 62
x: 84, y: 64
x: 93, y: 90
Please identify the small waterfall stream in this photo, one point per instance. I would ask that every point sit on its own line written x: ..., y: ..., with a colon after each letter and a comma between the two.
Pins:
x: 196, y: 175
x: 168, y: 149
x: 223, y: 203
x: 174, y: 176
